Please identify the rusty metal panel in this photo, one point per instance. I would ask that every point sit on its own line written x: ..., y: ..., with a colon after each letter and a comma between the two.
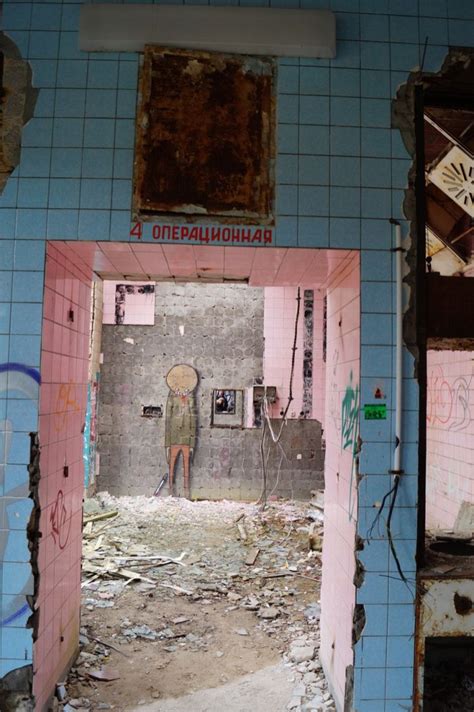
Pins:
x: 447, y: 608
x: 205, y: 137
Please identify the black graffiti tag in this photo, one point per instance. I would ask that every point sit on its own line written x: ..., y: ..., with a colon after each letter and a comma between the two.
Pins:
x: 60, y: 521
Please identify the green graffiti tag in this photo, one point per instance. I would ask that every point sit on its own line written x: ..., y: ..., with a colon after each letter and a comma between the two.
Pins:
x: 350, y: 431
x: 350, y: 417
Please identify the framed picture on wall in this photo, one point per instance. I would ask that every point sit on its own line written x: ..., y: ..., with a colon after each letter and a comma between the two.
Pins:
x: 227, y: 408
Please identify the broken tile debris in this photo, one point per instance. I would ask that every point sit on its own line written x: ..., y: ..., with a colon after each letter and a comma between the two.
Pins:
x: 266, y: 565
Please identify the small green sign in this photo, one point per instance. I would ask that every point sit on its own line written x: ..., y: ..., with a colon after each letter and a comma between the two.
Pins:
x: 375, y: 411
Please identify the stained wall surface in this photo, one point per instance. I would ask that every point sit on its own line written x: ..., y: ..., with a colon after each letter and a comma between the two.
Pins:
x: 279, y: 323
x: 341, y: 470
x: 341, y: 170
x: 450, y: 436
x: 90, y: 454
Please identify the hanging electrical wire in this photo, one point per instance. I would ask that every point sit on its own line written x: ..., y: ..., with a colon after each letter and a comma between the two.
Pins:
x: 392, y: 493
x: 267, y: 421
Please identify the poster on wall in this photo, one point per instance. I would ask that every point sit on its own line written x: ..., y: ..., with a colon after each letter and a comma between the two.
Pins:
x: 227, y: 408
x: 129, y: 303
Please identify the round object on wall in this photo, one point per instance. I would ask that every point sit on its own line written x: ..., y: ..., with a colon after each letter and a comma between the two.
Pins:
x: 182, y: 379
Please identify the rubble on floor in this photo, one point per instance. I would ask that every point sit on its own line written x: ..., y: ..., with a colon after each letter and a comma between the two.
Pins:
x: 265, y: 562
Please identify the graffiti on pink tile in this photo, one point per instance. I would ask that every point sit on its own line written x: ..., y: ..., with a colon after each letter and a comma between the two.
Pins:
x: 60, y: 519
x: 65, y: 404
x: 350, y: 431
x: 448, y: 400
x: 350, y: 416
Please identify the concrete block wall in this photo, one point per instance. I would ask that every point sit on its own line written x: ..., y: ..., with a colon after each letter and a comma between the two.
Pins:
x: 223, y: 340
x: 341, y: 171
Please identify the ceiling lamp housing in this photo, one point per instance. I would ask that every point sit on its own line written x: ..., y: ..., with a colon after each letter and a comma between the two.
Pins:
x: 454, y: 175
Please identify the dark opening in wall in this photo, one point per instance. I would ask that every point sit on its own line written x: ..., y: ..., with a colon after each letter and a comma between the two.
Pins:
x: 449, y: 674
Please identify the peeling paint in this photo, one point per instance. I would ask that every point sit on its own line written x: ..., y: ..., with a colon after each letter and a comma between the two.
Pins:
x: 33, y: 532
x: 17, y: 103
x: 359, y: 621
x: 349, y: 689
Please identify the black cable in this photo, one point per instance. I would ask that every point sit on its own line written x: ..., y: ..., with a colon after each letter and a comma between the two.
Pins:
x: 293, y: 355
x: 263, y: 497
x: 389, y: 531
x: 377, y: 517
x: 393, y: 492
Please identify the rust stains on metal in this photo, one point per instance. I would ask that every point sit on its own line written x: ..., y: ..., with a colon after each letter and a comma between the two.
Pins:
x: 462, y: 604
x: 205, y: 137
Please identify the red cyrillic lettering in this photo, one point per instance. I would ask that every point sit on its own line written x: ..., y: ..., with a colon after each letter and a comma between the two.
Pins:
x: 156, y: 232
x: 226, y: 234
x: 257, y: 236
x: 267, y: 237
x: 137, y: 231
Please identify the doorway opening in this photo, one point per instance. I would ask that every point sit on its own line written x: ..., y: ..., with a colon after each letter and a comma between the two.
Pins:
x: 249, y: 353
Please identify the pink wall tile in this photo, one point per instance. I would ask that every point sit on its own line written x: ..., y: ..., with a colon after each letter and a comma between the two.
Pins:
x: 342, y: 371
x: 64, y: 359
x: 279, y: 322
x: 450, y: 436
x: 139, y: 308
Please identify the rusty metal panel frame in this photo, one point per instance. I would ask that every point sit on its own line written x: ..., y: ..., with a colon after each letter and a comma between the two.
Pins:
x: 229, y: 180
x: 438, y: 615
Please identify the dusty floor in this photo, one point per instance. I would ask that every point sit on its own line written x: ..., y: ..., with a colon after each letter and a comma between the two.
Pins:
x: 227, y: 607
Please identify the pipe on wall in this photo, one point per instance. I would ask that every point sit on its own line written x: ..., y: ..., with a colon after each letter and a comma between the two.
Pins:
x: 397, y: 454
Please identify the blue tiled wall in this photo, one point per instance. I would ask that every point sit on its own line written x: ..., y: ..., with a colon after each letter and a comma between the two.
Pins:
x: 341, y: 171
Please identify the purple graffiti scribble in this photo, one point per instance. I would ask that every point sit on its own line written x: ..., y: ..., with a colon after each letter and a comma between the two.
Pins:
x: 21, y: 368
x: 15, y: 616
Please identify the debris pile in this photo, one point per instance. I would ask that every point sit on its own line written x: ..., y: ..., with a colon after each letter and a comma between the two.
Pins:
x: 177, y: 561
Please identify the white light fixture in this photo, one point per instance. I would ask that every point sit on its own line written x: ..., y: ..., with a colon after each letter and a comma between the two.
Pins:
x: 454, y: 175
x: 243, y: 30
